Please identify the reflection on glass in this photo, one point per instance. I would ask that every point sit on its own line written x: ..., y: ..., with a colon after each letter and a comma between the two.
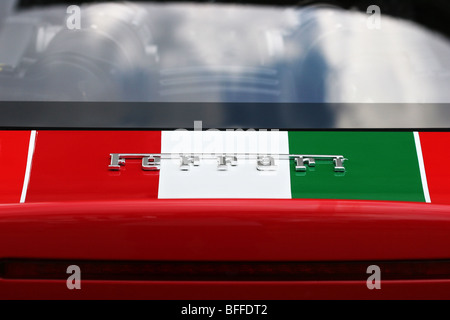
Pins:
x: 219, y: 53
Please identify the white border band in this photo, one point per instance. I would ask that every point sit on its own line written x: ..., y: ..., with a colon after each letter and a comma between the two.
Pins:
x: 28, y: 169
x: 423, y: 175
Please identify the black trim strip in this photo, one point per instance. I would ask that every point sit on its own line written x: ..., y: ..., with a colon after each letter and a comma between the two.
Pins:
x: 170, y: 116
x: 223, y: 271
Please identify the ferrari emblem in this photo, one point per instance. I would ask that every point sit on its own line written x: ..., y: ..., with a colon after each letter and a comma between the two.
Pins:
x: 152, y: 162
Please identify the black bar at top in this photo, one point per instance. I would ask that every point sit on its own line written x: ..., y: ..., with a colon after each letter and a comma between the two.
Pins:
x: 283, y: 116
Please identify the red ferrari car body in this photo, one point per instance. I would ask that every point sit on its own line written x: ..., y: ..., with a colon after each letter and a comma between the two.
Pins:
x: 114, y: 183
x: 62, y: 206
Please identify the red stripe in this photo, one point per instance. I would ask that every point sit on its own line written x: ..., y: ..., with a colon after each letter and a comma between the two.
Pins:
x: 436, y: 157
x: 73, y: 165
x: 13, y: 162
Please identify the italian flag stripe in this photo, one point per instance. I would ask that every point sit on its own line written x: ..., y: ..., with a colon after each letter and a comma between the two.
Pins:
x: 240, y: 182
x: 73, y: 166
x: 380, y: 166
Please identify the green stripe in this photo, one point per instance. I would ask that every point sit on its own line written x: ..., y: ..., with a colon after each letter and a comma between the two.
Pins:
x: 380, y: 166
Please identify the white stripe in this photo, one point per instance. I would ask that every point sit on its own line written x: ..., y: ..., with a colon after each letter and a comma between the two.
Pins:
x: 423, y: 175
x: 28, y: 169
x: 241, y: 181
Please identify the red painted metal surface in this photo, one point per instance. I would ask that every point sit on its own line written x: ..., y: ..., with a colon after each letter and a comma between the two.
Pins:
x: 13, y: 162
x: 73, y: 166
x: 226, y: 230
x: 435, y: 150
x: 68, y: 218
x: 19, y: 289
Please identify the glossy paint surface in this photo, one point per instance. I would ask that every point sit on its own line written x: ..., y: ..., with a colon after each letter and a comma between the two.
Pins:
x: 241, y: 181
x: 436, y: 151
x: 73, y: 166
x: 13, y: 161
x: 380, y: 166
x: 77, y: 209
x: 338, y: 290
x: 228, y: 230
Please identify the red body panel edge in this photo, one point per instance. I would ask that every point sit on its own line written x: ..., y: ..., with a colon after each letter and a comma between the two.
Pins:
x: 239, y: 230
x: 226, y: 230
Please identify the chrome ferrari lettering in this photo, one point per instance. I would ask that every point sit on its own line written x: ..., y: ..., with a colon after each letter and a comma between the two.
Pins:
x: 152, y: 162
x: 300, y: 163
x: 224, y: 160
x: 116, y: 161
x: 266, y: 163
x: 186, y: 162
x: 339, y: 164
